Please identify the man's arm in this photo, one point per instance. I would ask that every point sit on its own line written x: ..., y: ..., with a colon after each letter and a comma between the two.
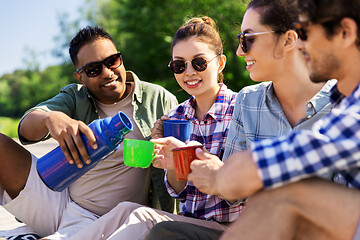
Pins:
x: 235, y: 179
x: 63, y: 129
x: 33, y: 127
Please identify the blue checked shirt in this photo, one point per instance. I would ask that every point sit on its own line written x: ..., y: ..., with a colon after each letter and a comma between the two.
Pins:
x: 211, y: 132
x: 332, y: 145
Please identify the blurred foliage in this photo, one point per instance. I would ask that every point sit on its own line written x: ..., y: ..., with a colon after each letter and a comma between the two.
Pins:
x: 25, y: 88
x: 143, y: 31
x: 8, y: 126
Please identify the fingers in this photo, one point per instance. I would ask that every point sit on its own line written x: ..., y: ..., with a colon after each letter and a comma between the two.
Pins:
x: 83, y: 128
x: 158, y: 162
x: 73, y: 142
x: 169, y: 141
x: 65, y: 150
x: 165, y: 117
x: 193, y: 143
x: 203, y: 154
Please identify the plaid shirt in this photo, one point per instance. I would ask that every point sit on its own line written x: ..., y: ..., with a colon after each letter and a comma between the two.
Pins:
x: 332, y: 145
x: 211, y: 132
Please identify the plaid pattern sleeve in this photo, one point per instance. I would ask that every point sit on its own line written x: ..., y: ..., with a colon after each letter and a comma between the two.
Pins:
x: 332, y: 145
x: 211, y: 131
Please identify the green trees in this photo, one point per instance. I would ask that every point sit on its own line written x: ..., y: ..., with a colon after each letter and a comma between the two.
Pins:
x: 143, y: 31
x: 24, y: 88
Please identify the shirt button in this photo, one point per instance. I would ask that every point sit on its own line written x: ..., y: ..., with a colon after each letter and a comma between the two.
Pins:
x: 309, y: 105
x: 309, y: 116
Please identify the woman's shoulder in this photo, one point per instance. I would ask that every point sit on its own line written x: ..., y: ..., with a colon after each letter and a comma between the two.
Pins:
x: 254, y: 91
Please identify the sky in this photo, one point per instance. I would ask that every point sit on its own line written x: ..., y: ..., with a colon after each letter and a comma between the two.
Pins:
x: 31, y: 24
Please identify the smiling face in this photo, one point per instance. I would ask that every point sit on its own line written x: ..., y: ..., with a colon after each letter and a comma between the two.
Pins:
x: 198, y: 84
x: 260, y: 58
x: 321, y: 61
x: 109, y: 87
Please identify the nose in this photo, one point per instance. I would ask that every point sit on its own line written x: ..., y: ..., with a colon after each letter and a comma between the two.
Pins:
x: 189, y: 70
x: 107, y: 72
x: 239, y: 51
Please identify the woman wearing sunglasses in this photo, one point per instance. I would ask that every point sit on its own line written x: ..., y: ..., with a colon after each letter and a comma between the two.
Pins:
x: 197, y: 63
x: 288, y: 100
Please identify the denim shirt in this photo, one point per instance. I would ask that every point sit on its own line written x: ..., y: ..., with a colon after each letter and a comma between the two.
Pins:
x: 150, y: 102
x: 258, y: 115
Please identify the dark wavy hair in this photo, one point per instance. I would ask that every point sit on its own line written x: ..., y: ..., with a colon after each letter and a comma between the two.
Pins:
x: 86, y: 35
x: 276, y: 14
x: 316, y: 10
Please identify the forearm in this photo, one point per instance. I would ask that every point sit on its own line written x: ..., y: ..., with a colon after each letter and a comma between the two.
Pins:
x: 176, y: 185
x: 33, y: 126
x: 238, y: 178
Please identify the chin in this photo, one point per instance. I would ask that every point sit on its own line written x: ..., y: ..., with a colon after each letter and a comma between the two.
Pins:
x: 318, y: 78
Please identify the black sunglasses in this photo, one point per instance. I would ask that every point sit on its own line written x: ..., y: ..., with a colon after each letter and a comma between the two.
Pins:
x: 300, y: 27
x: 246, y: 39
x: 199, y: 64
x: 94, y: 69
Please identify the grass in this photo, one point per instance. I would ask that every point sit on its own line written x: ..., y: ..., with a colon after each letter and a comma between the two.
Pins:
x: 8, y: 126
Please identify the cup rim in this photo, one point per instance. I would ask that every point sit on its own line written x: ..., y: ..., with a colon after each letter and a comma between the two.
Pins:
x: 136, y: 140
x: 176, y: 121
x: 187, y: 147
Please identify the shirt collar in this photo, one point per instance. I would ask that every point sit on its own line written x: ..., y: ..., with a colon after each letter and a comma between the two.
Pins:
x: 270, y: 93
x: 321, y: 98
x: 138, y: 91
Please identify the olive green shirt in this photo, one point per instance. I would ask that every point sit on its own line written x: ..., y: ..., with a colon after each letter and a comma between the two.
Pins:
x: 150, y: 102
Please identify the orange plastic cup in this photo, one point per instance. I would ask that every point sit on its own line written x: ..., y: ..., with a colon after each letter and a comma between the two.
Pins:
x: 182, y: 159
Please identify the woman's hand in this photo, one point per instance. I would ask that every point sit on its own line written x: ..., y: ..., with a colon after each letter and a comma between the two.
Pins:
x: 164, y: 155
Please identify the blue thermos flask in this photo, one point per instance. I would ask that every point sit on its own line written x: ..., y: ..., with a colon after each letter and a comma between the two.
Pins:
x: 57, y: 173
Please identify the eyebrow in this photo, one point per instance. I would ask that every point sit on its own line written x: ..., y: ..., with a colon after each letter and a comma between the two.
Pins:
x: 248, y: 30
x: 195, y: 56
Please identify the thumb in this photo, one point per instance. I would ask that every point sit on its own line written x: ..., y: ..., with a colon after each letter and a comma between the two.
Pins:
x: 202, y: 153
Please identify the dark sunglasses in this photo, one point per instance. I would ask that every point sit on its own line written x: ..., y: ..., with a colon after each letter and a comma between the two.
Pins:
x: 246, y: 40
x: 300, y: 27
x: 94, y: 69
x: 199, y: 64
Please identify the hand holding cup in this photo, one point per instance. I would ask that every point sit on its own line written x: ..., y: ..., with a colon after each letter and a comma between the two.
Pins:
x: 164, y: 156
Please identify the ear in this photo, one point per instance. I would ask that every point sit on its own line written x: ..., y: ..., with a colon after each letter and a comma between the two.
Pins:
x: 349, y: 31
x: 290, y: 40
x: 79, y: 78
x: 222, y: 63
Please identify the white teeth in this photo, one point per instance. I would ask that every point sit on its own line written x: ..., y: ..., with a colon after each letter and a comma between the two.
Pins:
x: 250, y: 63
x: 193, y: 82
x: 110, y: 84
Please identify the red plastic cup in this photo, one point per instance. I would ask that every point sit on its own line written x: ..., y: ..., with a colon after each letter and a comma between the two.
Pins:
x: 182, y: 159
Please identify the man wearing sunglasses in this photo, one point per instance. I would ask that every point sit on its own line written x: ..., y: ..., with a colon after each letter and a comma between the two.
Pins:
x: 288, y: 199
x: 106, y: 88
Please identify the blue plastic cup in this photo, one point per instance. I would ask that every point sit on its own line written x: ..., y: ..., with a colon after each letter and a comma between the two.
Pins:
x: 179, y: 129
